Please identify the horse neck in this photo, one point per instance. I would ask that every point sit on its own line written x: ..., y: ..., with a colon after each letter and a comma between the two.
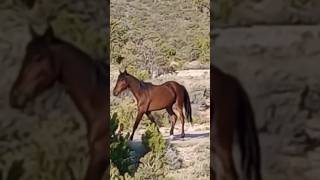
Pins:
x: 134, y: 87
x: 77, y: 73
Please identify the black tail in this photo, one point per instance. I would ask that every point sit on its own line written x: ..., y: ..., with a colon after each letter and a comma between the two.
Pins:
x: 187, y: 105
x: 248, y: 139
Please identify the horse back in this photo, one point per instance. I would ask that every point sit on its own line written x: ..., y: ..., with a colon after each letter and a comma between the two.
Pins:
x: 174, y: 85
x: 164, y: 95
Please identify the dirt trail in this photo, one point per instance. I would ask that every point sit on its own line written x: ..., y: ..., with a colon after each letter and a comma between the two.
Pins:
x: 192, y: 152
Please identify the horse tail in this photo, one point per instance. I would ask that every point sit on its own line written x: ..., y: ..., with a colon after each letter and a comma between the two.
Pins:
x: 187, y: 105
x: 248, y: 139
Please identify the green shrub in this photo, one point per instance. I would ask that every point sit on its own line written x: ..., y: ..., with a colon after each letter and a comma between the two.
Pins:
x: 153, y: 140
x: 126, y: 112
x: 115, y: 174
x: 120, y: 151
x: 202, y: 45
x: 152, y: 166
x: 140, y: 74
x: 141, y: 52
x: 118, y: 38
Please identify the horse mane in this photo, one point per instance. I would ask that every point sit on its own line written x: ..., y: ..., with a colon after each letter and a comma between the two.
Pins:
x: 100, y: 65
x: 145, y: 85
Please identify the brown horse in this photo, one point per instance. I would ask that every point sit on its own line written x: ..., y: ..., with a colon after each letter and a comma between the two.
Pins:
x: 151, y: 97
x: 233, y: 120
x: 49, y: 60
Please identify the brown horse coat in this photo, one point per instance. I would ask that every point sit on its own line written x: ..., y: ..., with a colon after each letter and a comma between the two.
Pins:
x: 151, y: 97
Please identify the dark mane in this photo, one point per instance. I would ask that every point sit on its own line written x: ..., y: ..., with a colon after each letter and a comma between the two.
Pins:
x: 145, y: 85
x: 68, y: 44
x: 101, y: 66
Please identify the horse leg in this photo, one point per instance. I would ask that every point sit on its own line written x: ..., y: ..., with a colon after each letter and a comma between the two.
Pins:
x: 179, y: 106
x: 136, y: 123
x: 181, y: 118
x: 99, y: 161
x: 152, y: 119
x: 173, y: 119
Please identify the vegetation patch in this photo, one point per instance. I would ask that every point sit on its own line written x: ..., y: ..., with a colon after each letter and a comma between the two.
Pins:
x: 121, y: 153
x: 126, y: 112
x: 152, y: 165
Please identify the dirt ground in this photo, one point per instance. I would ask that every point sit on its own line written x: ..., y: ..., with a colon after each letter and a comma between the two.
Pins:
x: 192, y: 153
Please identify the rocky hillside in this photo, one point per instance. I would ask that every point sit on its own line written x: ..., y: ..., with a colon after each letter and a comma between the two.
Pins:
x: 157, y: 37
x: 278, y: 66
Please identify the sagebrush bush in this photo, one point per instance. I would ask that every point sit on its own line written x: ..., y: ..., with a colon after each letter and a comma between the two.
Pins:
x: 115, y: 174
x: 140, y: 52
x: 126, y: 112
x: 152, y: 166
x: 120, y: 151
x: 140, y: 74
x: 202, y: 45
x: 153, y: 140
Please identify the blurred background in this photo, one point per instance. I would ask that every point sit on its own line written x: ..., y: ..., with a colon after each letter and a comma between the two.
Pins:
x: 272, y: 47
x: 48, y: 140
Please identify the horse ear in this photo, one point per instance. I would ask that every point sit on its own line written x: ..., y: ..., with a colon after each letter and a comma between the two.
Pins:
x: 49, y: 33
x: 125, y: 71
x: 120, y: 72
x: 33, y: 33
